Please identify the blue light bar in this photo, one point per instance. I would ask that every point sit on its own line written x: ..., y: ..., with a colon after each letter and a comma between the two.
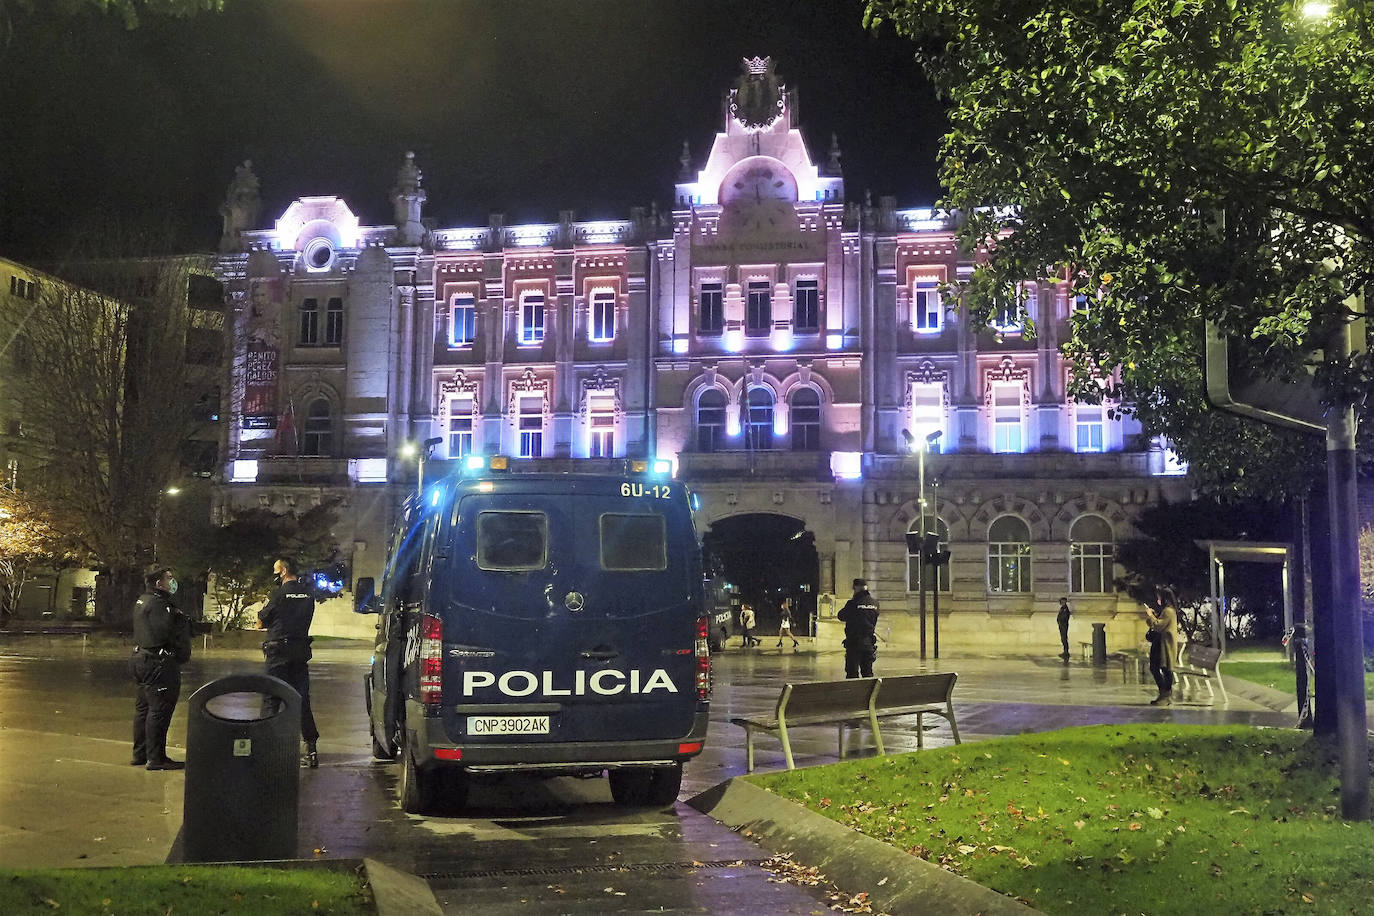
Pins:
x: 474, y: 462
x: 663, y: 466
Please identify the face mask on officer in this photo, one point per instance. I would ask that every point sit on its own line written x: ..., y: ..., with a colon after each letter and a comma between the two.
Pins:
x: 171, y: 586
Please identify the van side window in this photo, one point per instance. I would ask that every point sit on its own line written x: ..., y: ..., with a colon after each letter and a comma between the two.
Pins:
x: 633, y: 542
x: 510, y: 541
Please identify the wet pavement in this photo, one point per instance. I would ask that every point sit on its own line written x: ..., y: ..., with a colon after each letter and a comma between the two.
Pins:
x: 68, y: 796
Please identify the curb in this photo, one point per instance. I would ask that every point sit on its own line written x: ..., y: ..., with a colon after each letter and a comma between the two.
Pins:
x: 394, y: 892
x: 895, y: 881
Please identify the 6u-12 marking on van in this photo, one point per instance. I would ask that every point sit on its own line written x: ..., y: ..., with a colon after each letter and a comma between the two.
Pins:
x: 653, y: 491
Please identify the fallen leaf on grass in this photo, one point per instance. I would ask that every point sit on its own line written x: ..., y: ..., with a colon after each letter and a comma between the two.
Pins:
x: 965, y: 849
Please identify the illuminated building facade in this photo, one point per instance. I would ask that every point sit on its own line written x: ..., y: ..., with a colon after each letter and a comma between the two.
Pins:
x: 768, y: 337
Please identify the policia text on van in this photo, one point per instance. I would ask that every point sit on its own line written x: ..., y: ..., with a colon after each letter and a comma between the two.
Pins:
x: 546, y: 622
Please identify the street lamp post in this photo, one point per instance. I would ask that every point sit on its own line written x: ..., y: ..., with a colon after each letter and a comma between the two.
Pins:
x: 921, y: 448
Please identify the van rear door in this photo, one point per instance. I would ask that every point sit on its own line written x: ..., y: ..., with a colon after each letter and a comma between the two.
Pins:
x: 572, y: 599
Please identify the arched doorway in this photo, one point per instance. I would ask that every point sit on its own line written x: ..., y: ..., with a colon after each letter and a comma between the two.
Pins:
x: 766, y: 558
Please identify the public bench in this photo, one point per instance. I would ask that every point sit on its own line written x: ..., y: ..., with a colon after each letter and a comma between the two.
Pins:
x: 853, y: 702
x: 1202, y: 663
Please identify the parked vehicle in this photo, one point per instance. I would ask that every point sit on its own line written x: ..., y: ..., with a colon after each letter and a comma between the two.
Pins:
x: 540, y: 622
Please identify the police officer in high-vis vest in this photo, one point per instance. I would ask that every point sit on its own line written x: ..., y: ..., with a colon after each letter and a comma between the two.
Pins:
x: 162, y: 644
x: 287, y: 616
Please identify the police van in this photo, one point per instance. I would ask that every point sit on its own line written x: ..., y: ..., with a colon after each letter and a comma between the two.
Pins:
x: 540, y: 622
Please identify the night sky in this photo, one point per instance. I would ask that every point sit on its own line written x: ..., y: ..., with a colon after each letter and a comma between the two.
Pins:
x: 525, y: 107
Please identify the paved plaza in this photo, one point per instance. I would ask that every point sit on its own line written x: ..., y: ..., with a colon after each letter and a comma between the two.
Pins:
x: 69, y: 798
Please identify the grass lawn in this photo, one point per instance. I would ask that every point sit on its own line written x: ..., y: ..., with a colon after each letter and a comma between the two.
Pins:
x: 189, y: 890
x: 1151, y: 819
x: 1276, y: 674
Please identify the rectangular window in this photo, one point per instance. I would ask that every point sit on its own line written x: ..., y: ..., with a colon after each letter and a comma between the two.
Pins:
x: 532, y: 319
x: 712, y: 309
x: 460, y: 427
x: 926, y: 313
x: 1088, y: 425
x: 1090, y: 568
x: 310, y: 323
x: 927, y: 411
x: 758, y: 312
x: 602, y: 327
x: 633, y: 543
x: 601, y: 428
x: 531, y: 427
x: 462, y: 326
x: 334, y: 322
x: 1009, y: 567
x: 512, y: 541
x: 806, y: 312
x: 1006, y: 419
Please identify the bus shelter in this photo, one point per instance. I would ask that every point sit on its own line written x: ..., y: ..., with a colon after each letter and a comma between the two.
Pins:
x: 1219, y: 553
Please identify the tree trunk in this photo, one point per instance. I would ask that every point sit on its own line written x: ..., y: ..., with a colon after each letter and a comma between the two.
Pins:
x: 115, y: 594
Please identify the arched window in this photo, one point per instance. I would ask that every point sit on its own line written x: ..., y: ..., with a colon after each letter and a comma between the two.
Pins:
x: 1009, y: 555
x: 937, y: 527
x: 1091, y: 549
x: 758, y: 430
x: 318, y: 434
x: 710, y: 420
x: 806, y: 420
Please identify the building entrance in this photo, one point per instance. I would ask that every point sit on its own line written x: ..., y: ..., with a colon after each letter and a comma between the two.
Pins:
x: 767, y: 559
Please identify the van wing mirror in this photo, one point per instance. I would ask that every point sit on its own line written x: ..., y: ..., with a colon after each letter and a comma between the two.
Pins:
x: 365, y: 596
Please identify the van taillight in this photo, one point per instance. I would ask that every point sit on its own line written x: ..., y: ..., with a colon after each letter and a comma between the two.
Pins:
x: 431, y: 662
x: 703, y: 654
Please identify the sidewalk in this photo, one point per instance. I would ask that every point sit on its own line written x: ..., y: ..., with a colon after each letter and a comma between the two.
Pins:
x: 69, y: 796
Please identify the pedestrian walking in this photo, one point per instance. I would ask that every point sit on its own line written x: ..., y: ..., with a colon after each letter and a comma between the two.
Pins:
x: 1163, y: 637
x: 1063, y: 620
x: 785, y: 623
x: 746, y: 622
x: 287, y: 617
x: 162, y: 644
x: 860, y: 618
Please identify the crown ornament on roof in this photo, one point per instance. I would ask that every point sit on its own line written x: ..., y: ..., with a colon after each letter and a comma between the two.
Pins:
x: 758, y: 66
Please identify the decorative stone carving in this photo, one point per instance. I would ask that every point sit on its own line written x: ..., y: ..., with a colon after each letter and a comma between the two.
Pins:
x: 600, y: 382
x: 527, y: 383
x: 241, y: 206
x: 407, y: 197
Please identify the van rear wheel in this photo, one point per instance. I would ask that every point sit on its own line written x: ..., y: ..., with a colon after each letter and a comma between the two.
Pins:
x: 419, y: 788
x: 634, y: 787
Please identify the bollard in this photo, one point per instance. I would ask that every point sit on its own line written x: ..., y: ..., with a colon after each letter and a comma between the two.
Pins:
x: 242, y: 774
x: 1099, y: 644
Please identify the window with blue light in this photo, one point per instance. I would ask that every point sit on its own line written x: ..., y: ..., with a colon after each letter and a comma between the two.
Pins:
x: 531, y: 426
x: 711, y: 308
x: 806, y: 310
x: 601, y: 427
x: 460, y: 427
x: 710, y: 420
x: 602, y: 325
x: 462, y: 320
x: 1089, y: 428
x: 927, y: 315
x: 532, y: 319
x: 758, y: 309
x: 1007, y: 432
x: 927, y: 412
x: 806, y: 420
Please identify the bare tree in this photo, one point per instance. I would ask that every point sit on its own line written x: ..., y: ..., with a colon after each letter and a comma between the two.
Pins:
x: 105, y: 405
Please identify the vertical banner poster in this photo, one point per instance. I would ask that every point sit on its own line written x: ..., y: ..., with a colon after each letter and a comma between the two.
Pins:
x: 260, y: 386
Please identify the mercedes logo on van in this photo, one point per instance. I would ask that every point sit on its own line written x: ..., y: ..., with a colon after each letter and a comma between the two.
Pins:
x: 574, y: 601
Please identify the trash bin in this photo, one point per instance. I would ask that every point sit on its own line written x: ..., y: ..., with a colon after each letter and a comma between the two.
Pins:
x: 242, y: 771
x: 1099, y: 644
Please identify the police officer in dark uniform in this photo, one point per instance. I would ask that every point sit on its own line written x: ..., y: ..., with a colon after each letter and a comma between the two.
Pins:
x: 162, y: 644
x: 287, y: 616
x: 860, y: 618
